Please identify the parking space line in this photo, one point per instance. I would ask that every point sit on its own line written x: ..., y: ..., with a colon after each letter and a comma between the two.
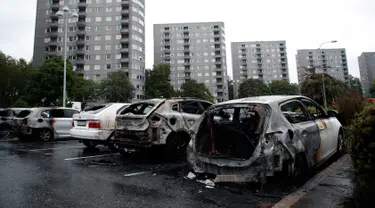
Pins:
x: 79, y: 158
x: 137, y: 173
x: 66, y: 147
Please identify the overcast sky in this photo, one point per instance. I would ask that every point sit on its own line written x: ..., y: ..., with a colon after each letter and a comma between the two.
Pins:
x: 303, y: 24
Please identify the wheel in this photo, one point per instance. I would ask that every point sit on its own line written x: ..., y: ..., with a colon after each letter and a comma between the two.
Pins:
x: 89, y: 144
x: 297, y: 171
x: 340, y: 144
x: 177, y: 144
x: 45, y: 135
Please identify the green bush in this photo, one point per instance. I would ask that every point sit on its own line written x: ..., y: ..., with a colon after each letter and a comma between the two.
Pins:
x: 348, y: 106
x: 361, y: 140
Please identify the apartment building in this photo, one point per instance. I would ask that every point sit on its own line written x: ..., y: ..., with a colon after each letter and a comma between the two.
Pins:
x: 103, y: 36
x: 329, y: 61
x: 366, y: 64
x: 194, y: 51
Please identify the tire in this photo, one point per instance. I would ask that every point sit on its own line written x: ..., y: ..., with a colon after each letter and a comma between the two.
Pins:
x: 45, y: 135
x: 176, y: 144
x: 4, y: 134
x: 340, y: 144
x: 89, y: 144
x: 297, y: 172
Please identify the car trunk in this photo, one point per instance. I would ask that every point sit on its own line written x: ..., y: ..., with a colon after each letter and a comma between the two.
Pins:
x: 134, y: 117
x: 89, y: 118
x: 230, y: 131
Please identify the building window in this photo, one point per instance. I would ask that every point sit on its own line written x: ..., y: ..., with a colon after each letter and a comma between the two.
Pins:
x: 118, y: 37
x: 98, y: 38
x: 97, y: 67
x: 108, y: 19
x: 108, y: 47
x: 97, y: 48
x: 118, y: 9
x: 108, y: 66
x: 98, y: 19
x: 108, y: 37
x: 108, y: 9
x: 97, y: 28
x: 118, y: 56
x: 118, y: 66
x: 88, y: 29
x: 97, y: 57
x: 86, y: 67
x: 108, y: 28
x: 107, y: 56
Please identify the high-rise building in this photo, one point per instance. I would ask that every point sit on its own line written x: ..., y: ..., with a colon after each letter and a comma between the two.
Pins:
x: 107, y: 35
x: 329, y: 61
x: 367, y: 71
x: 266, y: 60
x: 194, y: 51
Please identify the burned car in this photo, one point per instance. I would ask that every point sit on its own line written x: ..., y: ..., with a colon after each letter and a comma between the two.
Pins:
x: 249, y: 139
x: 45, y: 124
x: 158, y: 122
x: 6, y: 120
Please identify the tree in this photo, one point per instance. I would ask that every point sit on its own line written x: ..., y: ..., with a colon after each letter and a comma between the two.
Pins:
x: 157, y: 82
x: 355, y: 85
x: 253, y: 87
x: 45, y: 86
x: 13, y: 75
x: 191, y: 88
x: 85, y: 91
x: 372, y: 89
x: 313, y: 87
x: 117, y: 88
x: 281, y: 87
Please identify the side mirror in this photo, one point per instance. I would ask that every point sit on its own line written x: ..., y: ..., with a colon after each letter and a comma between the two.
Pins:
x: 45, y: 115
x: 332, y: 113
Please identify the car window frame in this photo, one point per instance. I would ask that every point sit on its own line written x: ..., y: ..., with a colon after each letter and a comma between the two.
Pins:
x: 65, y: 112
x: 204, y: 109
x: 317, y: 106
x: 303, y: 109
x: 191, y: 101
x: 51, y: 115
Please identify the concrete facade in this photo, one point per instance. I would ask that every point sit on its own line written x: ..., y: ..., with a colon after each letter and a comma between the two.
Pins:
x: 366, y: 64
x: 108, y: 35
x: 194, y: 51
x: 330, y: 61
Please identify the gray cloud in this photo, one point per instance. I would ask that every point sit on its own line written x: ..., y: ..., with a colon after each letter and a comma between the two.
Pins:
x: 302, y: 23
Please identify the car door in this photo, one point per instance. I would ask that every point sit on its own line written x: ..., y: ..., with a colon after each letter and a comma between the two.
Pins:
x: 59, y: 122
x: 304, y: 127
x: 191, y: 111
x: 327, y: 133
x: 68, y: 120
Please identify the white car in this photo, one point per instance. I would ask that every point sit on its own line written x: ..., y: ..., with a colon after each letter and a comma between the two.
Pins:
x: 96, y: 124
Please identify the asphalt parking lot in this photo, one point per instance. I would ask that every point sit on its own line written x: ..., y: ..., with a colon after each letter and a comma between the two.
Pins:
x: 66, y: 174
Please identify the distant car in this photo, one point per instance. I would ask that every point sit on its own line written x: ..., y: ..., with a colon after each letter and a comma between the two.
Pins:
x: 247, y: 139
x: 6, y: 120
x: 95, y: 125
x: 158, y: 122
x: 45, y: 124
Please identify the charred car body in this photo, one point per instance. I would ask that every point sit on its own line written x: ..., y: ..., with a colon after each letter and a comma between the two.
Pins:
x: 44, y: 123
x: 158, y: 122
x: 6, y: 120
x: 248, y: 139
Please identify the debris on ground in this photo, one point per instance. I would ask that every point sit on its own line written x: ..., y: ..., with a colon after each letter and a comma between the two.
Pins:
x: 207, y: 182
x: 191, y: 176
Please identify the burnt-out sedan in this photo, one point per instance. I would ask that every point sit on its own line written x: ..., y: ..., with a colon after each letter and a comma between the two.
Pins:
x: 247, y: 140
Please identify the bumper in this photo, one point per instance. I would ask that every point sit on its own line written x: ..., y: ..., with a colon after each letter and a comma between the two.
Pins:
x: 134, y: 139
x: 92, y: 134
x: 229, y: 171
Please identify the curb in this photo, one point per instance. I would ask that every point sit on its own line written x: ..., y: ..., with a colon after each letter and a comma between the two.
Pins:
x: 294, y: 197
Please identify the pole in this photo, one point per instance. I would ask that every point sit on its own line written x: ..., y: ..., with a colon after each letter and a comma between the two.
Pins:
x: 324, y: 92
x: 65, y: 50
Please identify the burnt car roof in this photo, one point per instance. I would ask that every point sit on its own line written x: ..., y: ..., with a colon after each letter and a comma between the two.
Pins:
x: 170, y: 99
x: 271, y: 99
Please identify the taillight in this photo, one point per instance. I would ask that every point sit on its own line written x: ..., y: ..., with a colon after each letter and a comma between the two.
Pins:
x: 73, y: 124
x: 94, y: 125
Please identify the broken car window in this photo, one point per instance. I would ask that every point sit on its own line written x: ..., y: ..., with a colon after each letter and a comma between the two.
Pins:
x: 138, y: 109
x: 96, y: 109
x: 314, y: 110
x: 57, y: 113
x: 191, y: 107
x: 23, y: 114
x: 294, y: 112
x: 4, y: 113
x: 69, y: 113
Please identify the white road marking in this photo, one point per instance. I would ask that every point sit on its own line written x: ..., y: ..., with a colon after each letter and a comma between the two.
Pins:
x: 137, y: 173
x: 66, y: 147
x: 79, y: 158
x: 8, y: 140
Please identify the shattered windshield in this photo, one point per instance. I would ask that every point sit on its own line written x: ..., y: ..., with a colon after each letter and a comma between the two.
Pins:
x: 138, y: 109
x: 96, y: 108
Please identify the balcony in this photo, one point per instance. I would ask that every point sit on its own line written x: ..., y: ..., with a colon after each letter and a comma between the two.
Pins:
x: 125, y: 31
x: 55, y: 6
x: 80, y: 51
x: 82, y: 5
x: 79, y: 62
x: 81, y: 23
x: 125, y: 20
x: 52, y: 43
x: 54, y: 16
x: 81, y: 33
x: 82, y: 14
x: 125, y: 2
x: 80, y: 42
x: 124, y: 50
x: 125, y: 12
x: 52, y: 53
x: 53, y: 34
x: 124, y: 60
x: 54, y: 24
x: 124, y: 40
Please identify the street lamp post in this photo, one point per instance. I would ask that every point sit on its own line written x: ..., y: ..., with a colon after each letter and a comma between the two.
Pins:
x: 324, y: 86
x: 64, y: 13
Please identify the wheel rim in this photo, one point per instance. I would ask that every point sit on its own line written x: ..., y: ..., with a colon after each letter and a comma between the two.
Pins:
x: 45, y: 135
x: 341, y: 143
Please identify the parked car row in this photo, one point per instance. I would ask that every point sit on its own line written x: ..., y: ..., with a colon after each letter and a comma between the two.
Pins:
x: 237, y: 141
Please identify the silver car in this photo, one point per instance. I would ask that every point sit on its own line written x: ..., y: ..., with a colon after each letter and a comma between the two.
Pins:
x: 248, y: 139
x: 45, y: 124
x: 158, y: 122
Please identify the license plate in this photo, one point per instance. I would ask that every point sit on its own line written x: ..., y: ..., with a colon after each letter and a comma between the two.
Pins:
x: 81, y: 123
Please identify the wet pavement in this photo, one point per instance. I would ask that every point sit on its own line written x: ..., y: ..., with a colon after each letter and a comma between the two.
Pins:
x: 66, y: 174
